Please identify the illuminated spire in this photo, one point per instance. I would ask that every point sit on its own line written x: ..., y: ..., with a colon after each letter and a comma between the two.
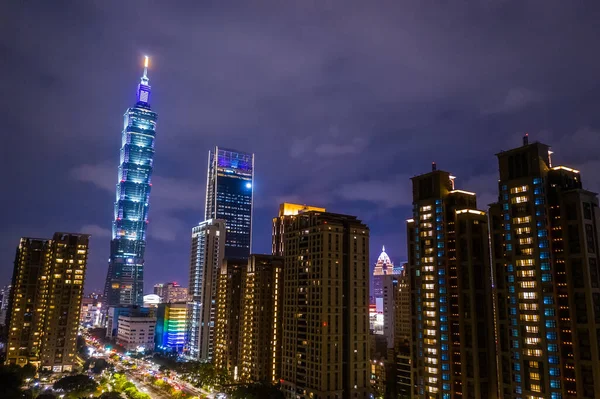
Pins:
x: 383, y: 249
x: 143, y: 91
x: 145, y: 79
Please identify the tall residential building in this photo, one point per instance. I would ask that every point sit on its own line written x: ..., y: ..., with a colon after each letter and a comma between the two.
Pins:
x: 545, y: 230
x: 171, y: 292
x: 229, y: 188
x: 452, y: 299
x: 125, y: 277
x: 325, y: 333
x: 208, y: 246
x: 287, y: 212
x: 45, y: 301
x: 261, y: 323
x: 171, y: 327
x: 227, y: 337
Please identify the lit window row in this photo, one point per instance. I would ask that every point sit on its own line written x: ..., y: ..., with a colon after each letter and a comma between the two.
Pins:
x: 519, y: 189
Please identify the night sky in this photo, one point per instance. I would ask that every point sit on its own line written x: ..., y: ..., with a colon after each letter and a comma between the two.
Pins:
x: 341, y: 102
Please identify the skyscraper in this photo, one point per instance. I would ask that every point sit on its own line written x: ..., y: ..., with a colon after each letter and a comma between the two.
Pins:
x: 384, y: 266
x: 545, y: 230
x: 325, y: 333
x: 46, y: 300
x: 125, y: 278
x: 229, y: 188
x: 208, y: 245
x: 452, y: 291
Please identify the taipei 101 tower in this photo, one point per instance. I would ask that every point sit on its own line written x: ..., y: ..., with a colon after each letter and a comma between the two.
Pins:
x: 125, y: 278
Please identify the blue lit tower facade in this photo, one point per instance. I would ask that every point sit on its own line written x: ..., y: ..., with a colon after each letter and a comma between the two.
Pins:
x: 545, y: 229
x: 448, y: 250
x: 125, y: 279
x: 229, y: 187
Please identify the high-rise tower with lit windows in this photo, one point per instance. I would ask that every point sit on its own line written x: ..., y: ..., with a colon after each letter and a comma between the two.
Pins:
x: 125, y: 278
x: 229, y: 187
x: 451, y: 288
x: 545, y: 250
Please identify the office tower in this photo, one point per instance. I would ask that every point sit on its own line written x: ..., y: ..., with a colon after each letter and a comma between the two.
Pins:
x: 384, y: 266
x: 136, y: 333
x: 171, y: 327
x: 228, y: 315
x: 208, y: 245
x: 229, y: 188
x: 125, y: 277
x: 545, y: 260
x: 403, y: 335
x: 325, y: 304
x: 452, y: 299
x: 4, y: 300
x: 46, y: 299
x: 262, y: 302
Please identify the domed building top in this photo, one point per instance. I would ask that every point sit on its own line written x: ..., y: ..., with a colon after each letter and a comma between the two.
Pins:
x: 383, y: 257
x: 384, y: 265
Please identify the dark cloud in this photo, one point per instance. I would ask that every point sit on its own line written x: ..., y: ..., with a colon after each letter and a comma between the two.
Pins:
x: 341, y: 101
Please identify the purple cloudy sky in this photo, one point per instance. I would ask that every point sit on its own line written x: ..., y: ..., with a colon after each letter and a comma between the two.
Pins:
x: 341, y: 101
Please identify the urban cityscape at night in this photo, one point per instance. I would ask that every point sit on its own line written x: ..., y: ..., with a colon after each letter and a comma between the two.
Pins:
x: 334, y: 200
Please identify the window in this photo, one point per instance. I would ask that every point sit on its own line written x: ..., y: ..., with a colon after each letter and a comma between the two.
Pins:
x: 519, y: 200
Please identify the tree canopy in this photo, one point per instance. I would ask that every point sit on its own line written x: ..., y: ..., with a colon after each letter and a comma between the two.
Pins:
x: 76, y: 383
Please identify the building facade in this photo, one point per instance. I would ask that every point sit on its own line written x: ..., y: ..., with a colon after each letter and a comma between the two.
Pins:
x: 325, y: 333
x: 403, y: 335
x: 208, y: 246
x: 171, y: 292
x: 545, y: 258
x: 452, y: 292
x: 136, y: 333
x: 4, y: 300
x: 45, y: 303
x: 227, y: 337
x: 261, y: 323
x: 91, y: 313
x: 229, y: 188
x: 171, y: 327
x: 125, y: 278
x: 113, y: 314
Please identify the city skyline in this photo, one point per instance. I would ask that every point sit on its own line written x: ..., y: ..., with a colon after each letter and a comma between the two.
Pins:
x: 295, y: 103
